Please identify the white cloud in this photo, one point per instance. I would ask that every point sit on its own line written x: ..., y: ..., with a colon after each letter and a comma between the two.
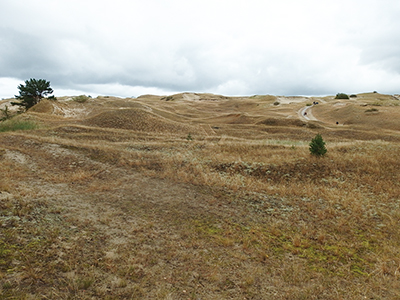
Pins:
x: 117, y: 90
x: 9, y: 87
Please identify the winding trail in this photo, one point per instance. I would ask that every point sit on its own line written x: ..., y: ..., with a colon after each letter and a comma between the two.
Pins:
x: 306, y: 113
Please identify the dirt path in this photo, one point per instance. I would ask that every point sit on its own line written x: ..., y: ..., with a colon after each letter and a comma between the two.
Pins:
x: 64, y: 171
x: 306, y: 113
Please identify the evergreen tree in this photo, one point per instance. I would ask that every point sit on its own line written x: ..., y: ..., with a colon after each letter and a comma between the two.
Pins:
x: 317, y: 146
x: 32, y: 92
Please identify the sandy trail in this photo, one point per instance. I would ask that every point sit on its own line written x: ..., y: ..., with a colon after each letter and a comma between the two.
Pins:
x: 306, y: 113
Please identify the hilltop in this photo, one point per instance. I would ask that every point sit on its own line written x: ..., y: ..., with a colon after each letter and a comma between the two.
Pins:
x: 201, y: 196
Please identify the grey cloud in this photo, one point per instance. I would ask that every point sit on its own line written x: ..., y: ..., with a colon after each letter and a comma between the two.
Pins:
x: 186, y: 50
x: 23, y: 55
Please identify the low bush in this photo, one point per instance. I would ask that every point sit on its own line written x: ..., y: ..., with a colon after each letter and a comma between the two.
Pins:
x: 168, y: 98
x: 81, y: 98
x: 372, y: 110
x: 341, y: 96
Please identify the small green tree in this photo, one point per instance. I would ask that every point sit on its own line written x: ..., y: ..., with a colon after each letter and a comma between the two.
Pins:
x: 317, y: 146
x: 32, y: 92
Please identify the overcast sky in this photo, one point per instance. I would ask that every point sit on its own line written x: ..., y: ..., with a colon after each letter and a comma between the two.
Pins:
x: 237, y: 47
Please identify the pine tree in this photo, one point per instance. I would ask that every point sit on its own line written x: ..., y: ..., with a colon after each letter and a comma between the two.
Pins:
x: 32, y: 92
x: 317, y: 146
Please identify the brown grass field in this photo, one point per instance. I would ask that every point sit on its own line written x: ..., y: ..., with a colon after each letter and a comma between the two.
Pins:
x: 200, y: 196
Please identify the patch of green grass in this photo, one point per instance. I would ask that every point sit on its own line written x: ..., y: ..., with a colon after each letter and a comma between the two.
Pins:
x: 15, y: 124
x: 207, y: 228
x: 286, y: 142
x: 81, y: 98
x: 85, y: 282
x: 6, y: 254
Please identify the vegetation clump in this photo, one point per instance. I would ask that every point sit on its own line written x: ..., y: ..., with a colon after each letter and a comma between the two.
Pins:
x: 6, y: 113
x: 372, y: 110
x: 341, y: 96
x: 81, y: 98
x: 168, y: 98
x: 15, y: 124
x: 317, y: 146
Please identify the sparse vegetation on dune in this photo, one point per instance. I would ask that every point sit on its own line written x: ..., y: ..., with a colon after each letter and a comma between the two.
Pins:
x: 17, y: 124
x: 175, y: 200
x: 342, y: 96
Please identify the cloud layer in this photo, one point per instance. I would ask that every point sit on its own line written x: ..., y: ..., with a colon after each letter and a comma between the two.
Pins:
x: 128, y: 48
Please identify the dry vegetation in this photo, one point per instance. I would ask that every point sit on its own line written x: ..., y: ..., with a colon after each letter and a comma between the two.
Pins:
x: 198, y: 196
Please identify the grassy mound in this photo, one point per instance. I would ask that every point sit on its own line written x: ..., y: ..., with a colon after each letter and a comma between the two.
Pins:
x: 138, y: 120
x: 45, y: 106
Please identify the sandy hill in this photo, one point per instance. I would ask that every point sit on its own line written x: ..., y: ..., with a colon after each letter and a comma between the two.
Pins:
x: 201, y: 196
x: 366, y: 116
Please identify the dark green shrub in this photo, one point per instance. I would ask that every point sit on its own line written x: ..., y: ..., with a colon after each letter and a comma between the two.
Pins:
x: 371, y: 110
x: 168, y: 98
x: 341, y: 96
x: 317, y: 146
x: 353, y: 96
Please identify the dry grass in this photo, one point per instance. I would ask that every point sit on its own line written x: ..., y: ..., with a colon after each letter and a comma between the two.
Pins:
x: 242, y: 211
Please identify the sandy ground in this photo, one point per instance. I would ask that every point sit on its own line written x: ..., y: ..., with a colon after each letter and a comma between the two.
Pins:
x: 7, y: 102
x: 290, y: 100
